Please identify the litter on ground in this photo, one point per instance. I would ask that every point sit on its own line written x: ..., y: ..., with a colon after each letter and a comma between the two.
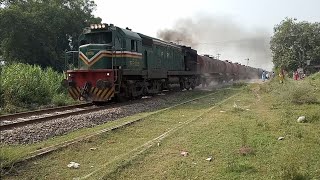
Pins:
x: 301, y: 119
x: 280, y: 138
x: 73, y: 165
x: 184, y: 153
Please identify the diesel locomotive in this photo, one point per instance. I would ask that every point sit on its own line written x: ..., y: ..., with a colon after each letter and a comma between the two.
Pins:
x: 118, y: 63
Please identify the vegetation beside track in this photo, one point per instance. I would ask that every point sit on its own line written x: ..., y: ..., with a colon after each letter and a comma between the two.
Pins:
x: 13, y: 153
x: 240, y: 134
x: 26, y: 87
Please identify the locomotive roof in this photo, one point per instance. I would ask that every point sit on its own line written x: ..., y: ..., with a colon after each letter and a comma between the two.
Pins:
x: 159, y: 41
x: 131, y: 34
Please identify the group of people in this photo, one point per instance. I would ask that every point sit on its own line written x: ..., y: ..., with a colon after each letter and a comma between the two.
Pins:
x: 266, y: 75
x: 297, y: 75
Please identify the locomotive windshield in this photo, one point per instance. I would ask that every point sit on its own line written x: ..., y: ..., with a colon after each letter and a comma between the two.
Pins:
x: 97, y: 38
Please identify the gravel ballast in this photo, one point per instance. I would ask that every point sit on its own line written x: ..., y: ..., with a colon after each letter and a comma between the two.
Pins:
x: 41, y: 131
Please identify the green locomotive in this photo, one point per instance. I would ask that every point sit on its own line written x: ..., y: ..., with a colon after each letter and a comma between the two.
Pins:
x: 116, y: 62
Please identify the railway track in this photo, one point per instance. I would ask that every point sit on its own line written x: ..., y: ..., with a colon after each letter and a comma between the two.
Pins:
x: 53, y: 148
x: 21, y: 119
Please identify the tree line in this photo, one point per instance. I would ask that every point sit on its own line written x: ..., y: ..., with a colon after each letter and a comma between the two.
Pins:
x: 295, y: 44
x: 40, y: 31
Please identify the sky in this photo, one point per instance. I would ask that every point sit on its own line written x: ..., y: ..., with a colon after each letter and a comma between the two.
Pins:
x: 251, y: 19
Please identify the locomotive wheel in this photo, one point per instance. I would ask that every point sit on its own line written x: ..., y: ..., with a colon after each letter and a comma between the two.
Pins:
x: 187, y: 85
x: 181, y: 85
x: 193, y: 86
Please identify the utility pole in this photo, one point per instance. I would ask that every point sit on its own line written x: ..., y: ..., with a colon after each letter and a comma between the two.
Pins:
x: 247, y: 61
x: 218, y: 56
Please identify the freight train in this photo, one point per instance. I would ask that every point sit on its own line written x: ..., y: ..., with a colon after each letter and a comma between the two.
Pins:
x: 118, y: 63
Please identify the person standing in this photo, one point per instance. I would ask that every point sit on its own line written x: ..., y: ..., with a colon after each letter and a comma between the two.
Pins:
x: 263, y: 76
x: 281, y: 77
x: 296, y: 75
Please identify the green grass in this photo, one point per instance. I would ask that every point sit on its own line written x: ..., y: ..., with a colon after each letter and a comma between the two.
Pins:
x: 215, y: 126
x: 12, y: 153
x: 221, y: 135
x: 112, y: 147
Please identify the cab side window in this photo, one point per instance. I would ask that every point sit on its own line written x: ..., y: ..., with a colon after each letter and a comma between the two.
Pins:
x: 134, y: 45
x: 123, y: 44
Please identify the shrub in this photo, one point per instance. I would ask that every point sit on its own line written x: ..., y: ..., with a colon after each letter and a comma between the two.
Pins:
x: 303, y: 95
x: 22, y: 85
x: 61, y: 99
x: 29, y: 86
x: 296, y: 92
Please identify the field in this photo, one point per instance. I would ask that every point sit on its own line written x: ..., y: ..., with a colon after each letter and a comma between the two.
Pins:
x: 232, y: 133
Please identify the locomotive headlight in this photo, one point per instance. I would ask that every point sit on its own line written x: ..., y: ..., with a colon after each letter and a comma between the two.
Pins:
x: 108, y: 74
x: 99, y: 26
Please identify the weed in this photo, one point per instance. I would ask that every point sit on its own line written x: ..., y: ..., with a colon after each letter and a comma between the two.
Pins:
x: 237, y: 108
x: 61, y: 99
x: 303, y: 95
x: 239, y: 84
x: 246, y: 151
x: 291, y: 171
x: 244, y: 136
x: 298, y: 133
x: 240, y: 167
x: 263, y: 125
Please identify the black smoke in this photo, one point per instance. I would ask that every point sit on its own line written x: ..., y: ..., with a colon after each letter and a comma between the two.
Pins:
x: 213, y: 35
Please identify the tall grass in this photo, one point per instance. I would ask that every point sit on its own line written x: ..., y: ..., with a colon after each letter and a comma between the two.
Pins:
x: 295, y: 92
x: 28, y: 87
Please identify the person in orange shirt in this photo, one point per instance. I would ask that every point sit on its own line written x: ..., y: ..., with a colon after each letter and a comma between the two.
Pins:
x: 281, y: 77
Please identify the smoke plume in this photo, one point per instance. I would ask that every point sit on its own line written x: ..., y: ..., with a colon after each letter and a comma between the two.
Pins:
x: 221, y: 35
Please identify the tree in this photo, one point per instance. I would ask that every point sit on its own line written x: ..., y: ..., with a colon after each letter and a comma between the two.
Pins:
x: 293, y: 43
x: 39, y: 31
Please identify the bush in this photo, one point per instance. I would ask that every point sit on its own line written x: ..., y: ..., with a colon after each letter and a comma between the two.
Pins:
x: 29, y: 86
x: 61, y: 99
x: 296, y: 92
x: 303, y: 95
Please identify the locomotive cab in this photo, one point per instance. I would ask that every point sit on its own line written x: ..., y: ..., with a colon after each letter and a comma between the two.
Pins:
x: 104, y: 51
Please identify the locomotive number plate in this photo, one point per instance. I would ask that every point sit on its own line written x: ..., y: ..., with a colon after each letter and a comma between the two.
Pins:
x: 89, y: 53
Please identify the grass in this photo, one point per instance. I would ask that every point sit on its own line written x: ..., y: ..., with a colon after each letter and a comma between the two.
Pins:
x: 260, y: 116
x: 114, y: 146
x: 12, y: 153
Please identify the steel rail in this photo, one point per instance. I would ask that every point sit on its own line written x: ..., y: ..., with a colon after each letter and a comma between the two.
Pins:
x: 46, y: 118
x: 42, y: 111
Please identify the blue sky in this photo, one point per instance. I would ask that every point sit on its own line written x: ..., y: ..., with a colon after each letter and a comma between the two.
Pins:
x: 148, y: 17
